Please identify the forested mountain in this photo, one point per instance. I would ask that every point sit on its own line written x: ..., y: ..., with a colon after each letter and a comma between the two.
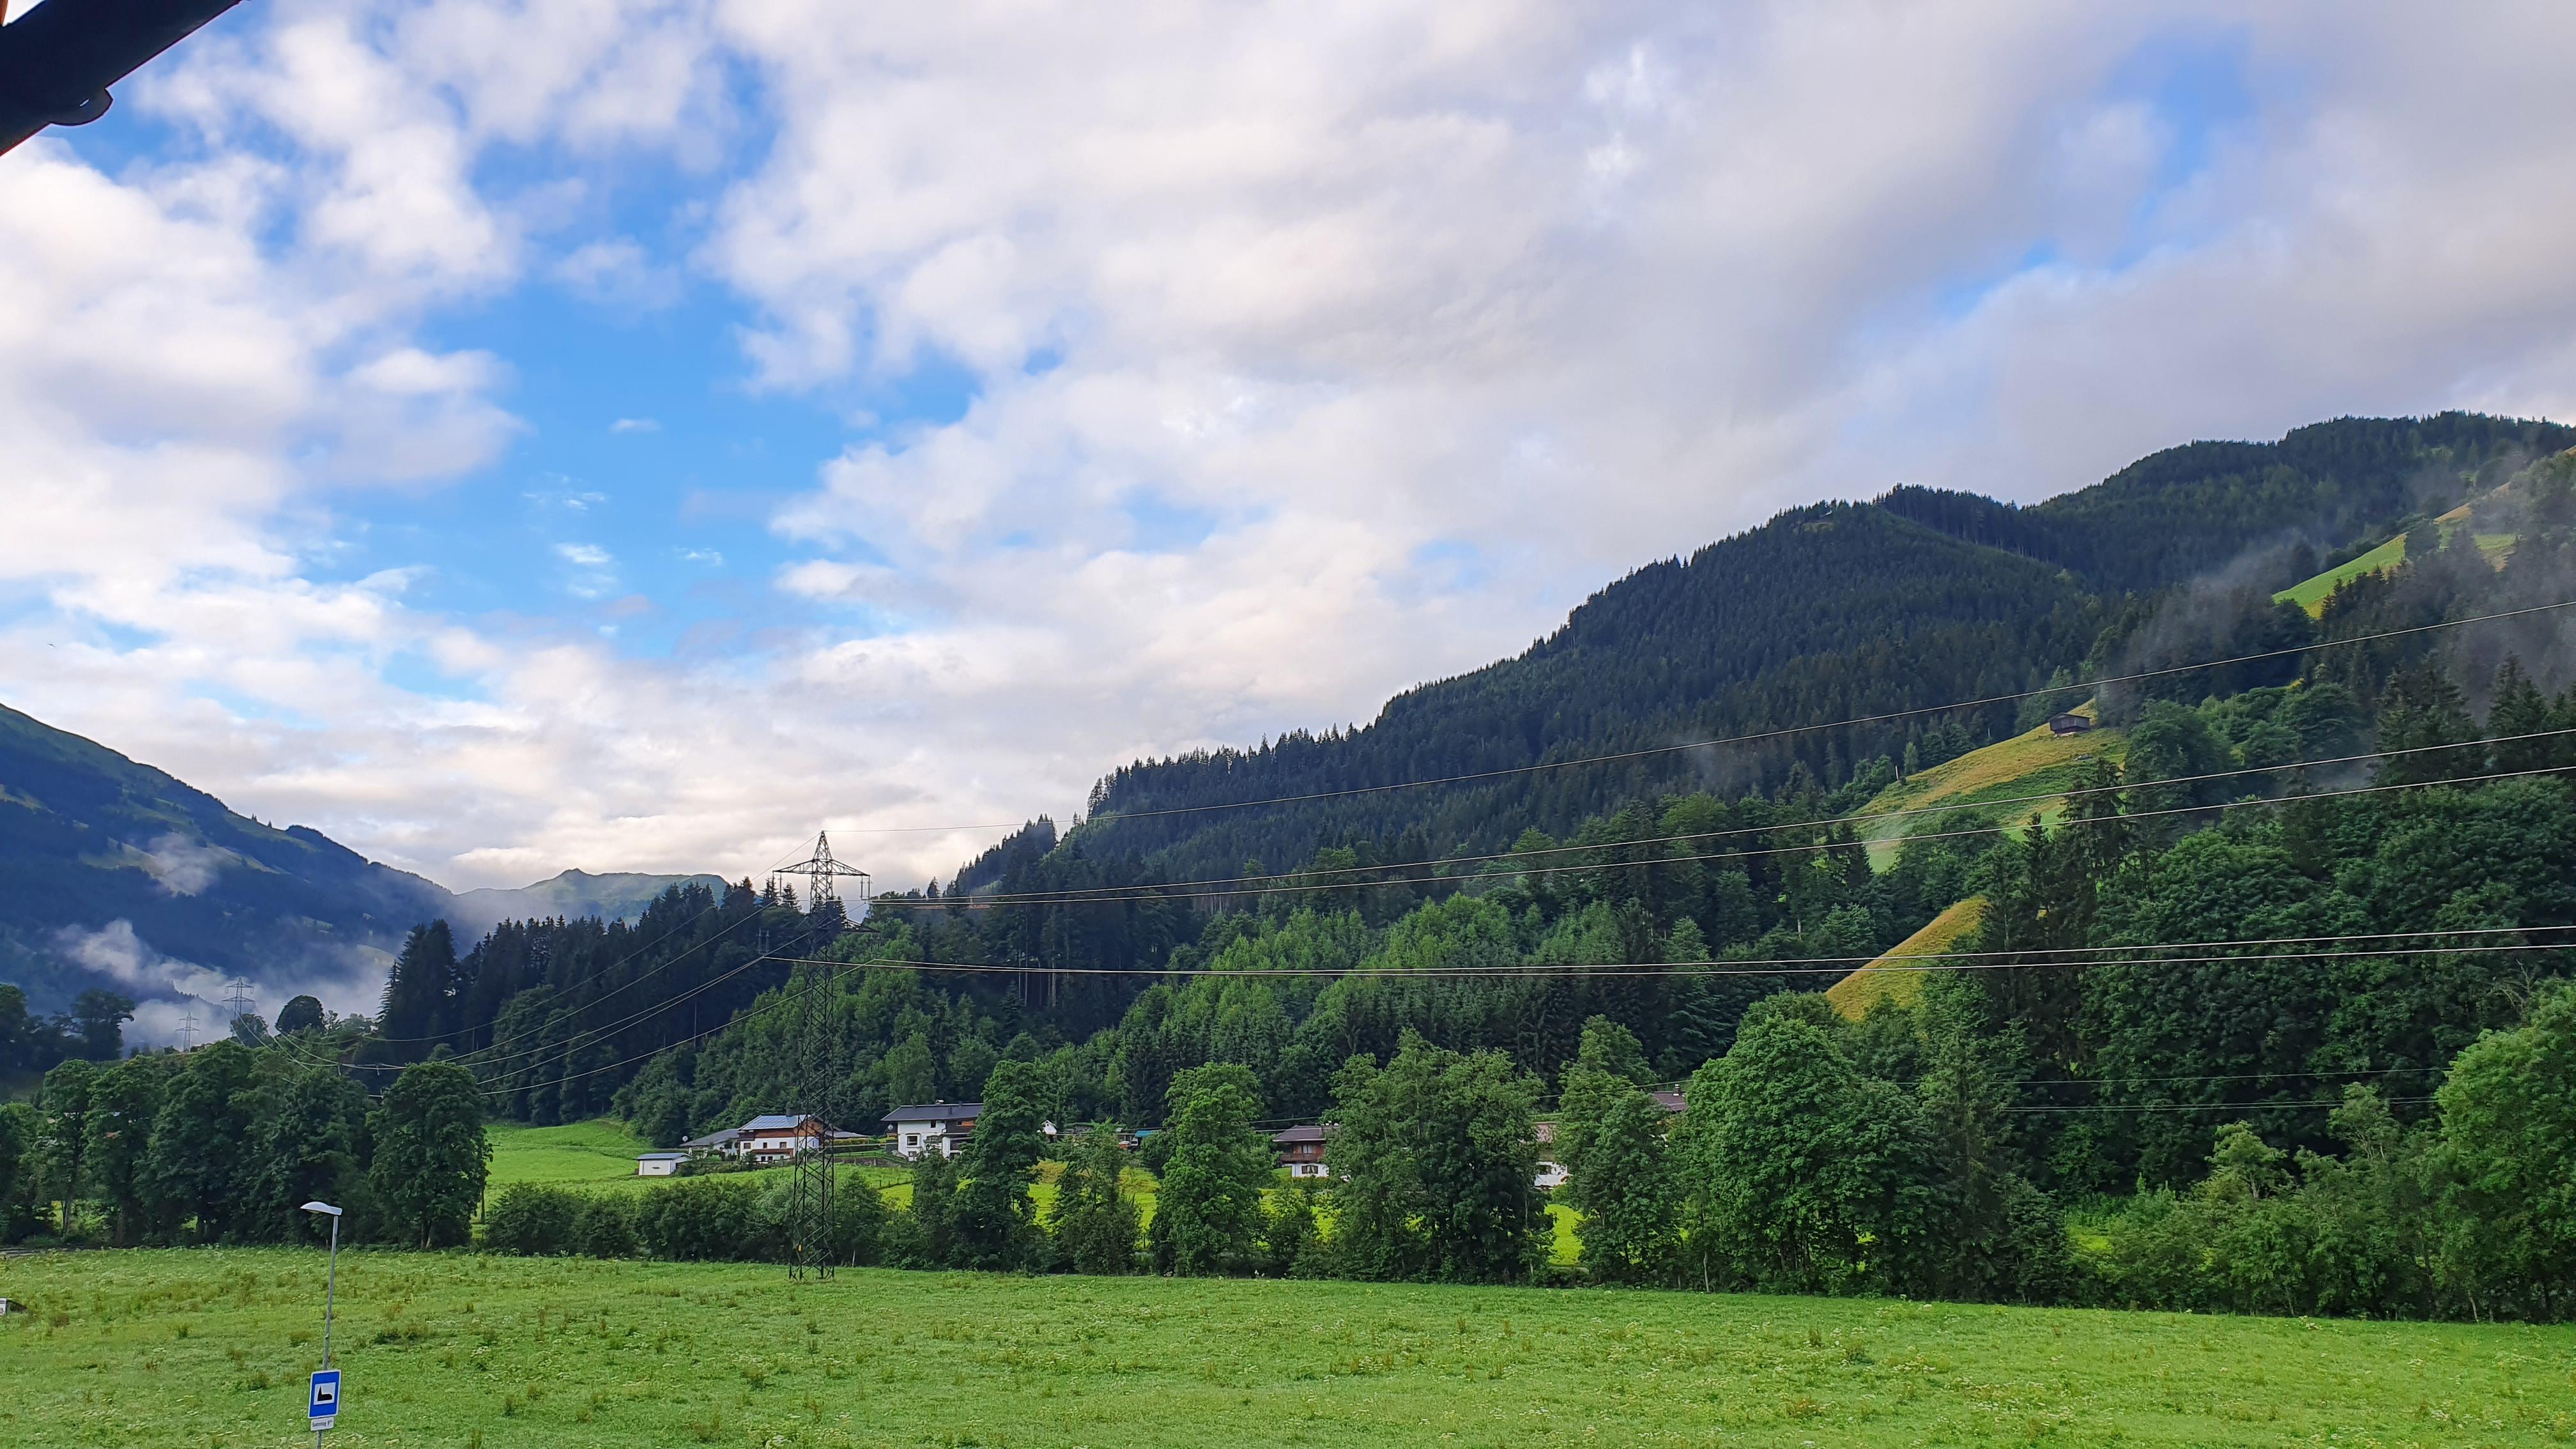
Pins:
x: 115, y: 875
x: 572, y: 895
x: 1824, y: 613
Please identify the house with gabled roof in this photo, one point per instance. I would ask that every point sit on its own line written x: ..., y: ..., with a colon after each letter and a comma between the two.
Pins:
x: 940, y: 1127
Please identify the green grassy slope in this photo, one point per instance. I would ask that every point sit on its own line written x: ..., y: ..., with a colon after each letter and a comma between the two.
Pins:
x: 2312, y: 594
x: 1855, y: 994
x: 581, y: 1154
x: 599, y: 1156
x: 210, y: 1347
x: 2033, y: 763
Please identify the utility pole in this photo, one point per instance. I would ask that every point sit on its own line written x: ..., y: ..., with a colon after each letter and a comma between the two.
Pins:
x: 809, y: 1203
x: 188, y: 1028
x: 324, y: 1409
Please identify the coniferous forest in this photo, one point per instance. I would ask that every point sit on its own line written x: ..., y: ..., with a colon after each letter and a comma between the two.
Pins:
x: 2268, y: 1011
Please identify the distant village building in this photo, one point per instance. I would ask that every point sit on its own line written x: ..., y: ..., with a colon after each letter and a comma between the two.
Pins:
x: 770, y: 1137
x: 1301, y: 1151
x: 659, y: 1164
x: 2068, y: 724
x: 1552, y: 1173
x: 940, y: 1127
x: 777, y: 1136
x: 714, y: 1144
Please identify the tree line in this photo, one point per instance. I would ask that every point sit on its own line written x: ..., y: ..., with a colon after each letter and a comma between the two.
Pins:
x: 225, y: 1144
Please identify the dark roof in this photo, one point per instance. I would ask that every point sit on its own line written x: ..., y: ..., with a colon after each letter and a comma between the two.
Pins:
x: 714, y: 1139
x: 1669, y: 1101
x: 659, y: 1156
x: 936, y: 1112
x: 1296, y: 1135
x: 775, y: 1122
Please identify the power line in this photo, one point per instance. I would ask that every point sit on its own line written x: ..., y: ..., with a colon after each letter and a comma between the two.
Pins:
x: 1082, y: 895
x: 1753, y: 738
x: 834, y: 971
x: 2209, y: 1105
x: 1802, y: 966
x: 1779, y: 966
x: 1787, y: 966
x: 1154, y: 893
x: 717, y: 905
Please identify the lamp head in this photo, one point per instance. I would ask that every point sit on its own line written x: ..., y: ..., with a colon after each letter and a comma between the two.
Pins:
x: 321, y: 1207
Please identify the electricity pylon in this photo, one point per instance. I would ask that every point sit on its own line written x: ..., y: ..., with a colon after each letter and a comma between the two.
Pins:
x: 809, y: 1200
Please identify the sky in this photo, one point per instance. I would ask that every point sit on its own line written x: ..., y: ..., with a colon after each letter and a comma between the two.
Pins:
x: 635, y: 434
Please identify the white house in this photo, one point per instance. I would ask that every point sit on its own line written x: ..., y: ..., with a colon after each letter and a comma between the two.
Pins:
x: 776, y: 1136
x: 1551, y: 1173
x: 1301, y: 1151
x: 659, y: 1164
x: 714, y: 1144
x: 773, y: 1137
x: 940, y: 1127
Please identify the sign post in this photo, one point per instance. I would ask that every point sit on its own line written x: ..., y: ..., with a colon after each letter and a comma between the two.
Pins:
x: 322, y: 1403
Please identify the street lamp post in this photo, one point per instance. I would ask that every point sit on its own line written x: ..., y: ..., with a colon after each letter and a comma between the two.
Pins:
x: 330, y: 1288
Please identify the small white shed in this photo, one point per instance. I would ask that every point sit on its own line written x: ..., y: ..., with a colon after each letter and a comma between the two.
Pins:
x: 659, y: 1164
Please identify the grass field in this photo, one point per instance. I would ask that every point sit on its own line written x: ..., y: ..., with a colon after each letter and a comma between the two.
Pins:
x: 593, y: 1154
x: 1855, y: 994
x: 2312, y: 594
x: 210, y: 1348
x: 2034, y: 762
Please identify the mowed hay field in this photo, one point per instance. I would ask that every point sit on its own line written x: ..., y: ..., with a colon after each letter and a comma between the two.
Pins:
x: 2028, y: 769
x: 210, y: 1348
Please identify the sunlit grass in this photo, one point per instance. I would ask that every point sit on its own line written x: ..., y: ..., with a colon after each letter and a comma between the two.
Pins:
x: 1855, y: 994
x: 2032, y: 763
x: 210, y: 1347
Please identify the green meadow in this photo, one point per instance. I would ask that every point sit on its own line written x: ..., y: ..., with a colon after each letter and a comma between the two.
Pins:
x: 210, y: 1347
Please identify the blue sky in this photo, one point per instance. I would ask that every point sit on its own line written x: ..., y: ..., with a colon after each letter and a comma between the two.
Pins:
x: 636, y: 435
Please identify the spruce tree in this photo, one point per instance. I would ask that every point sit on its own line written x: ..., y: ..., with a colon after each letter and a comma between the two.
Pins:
x: 996, y: 1222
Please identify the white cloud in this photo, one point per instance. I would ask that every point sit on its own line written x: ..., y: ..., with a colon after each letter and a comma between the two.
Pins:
x: 619, y: 274
x: 635, y: 425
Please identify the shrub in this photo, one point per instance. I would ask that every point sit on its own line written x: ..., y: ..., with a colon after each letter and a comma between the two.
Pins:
x: 532, y: 1221
x: 712, y: 1219
x: 858, y: 1221
x: 605, y: 1227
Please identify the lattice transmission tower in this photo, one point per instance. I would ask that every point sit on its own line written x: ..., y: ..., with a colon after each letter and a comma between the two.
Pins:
x: 809, y: 1205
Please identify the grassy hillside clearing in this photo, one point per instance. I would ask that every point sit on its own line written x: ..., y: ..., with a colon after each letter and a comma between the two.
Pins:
x: 1855, y: 994
x: 2312, y: 594
x: 2034, y: 762
x: 599, y: 1156
x: 593, y: 1154
x: 210, y: 1347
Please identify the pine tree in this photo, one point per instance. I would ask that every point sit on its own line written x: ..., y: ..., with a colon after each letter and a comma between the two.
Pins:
x: 2424, y: 711
x: 996, y: 1222
x: 2520, y: 709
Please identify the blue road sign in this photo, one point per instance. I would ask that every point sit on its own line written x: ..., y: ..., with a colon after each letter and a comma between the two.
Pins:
x: 325, y: 1405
